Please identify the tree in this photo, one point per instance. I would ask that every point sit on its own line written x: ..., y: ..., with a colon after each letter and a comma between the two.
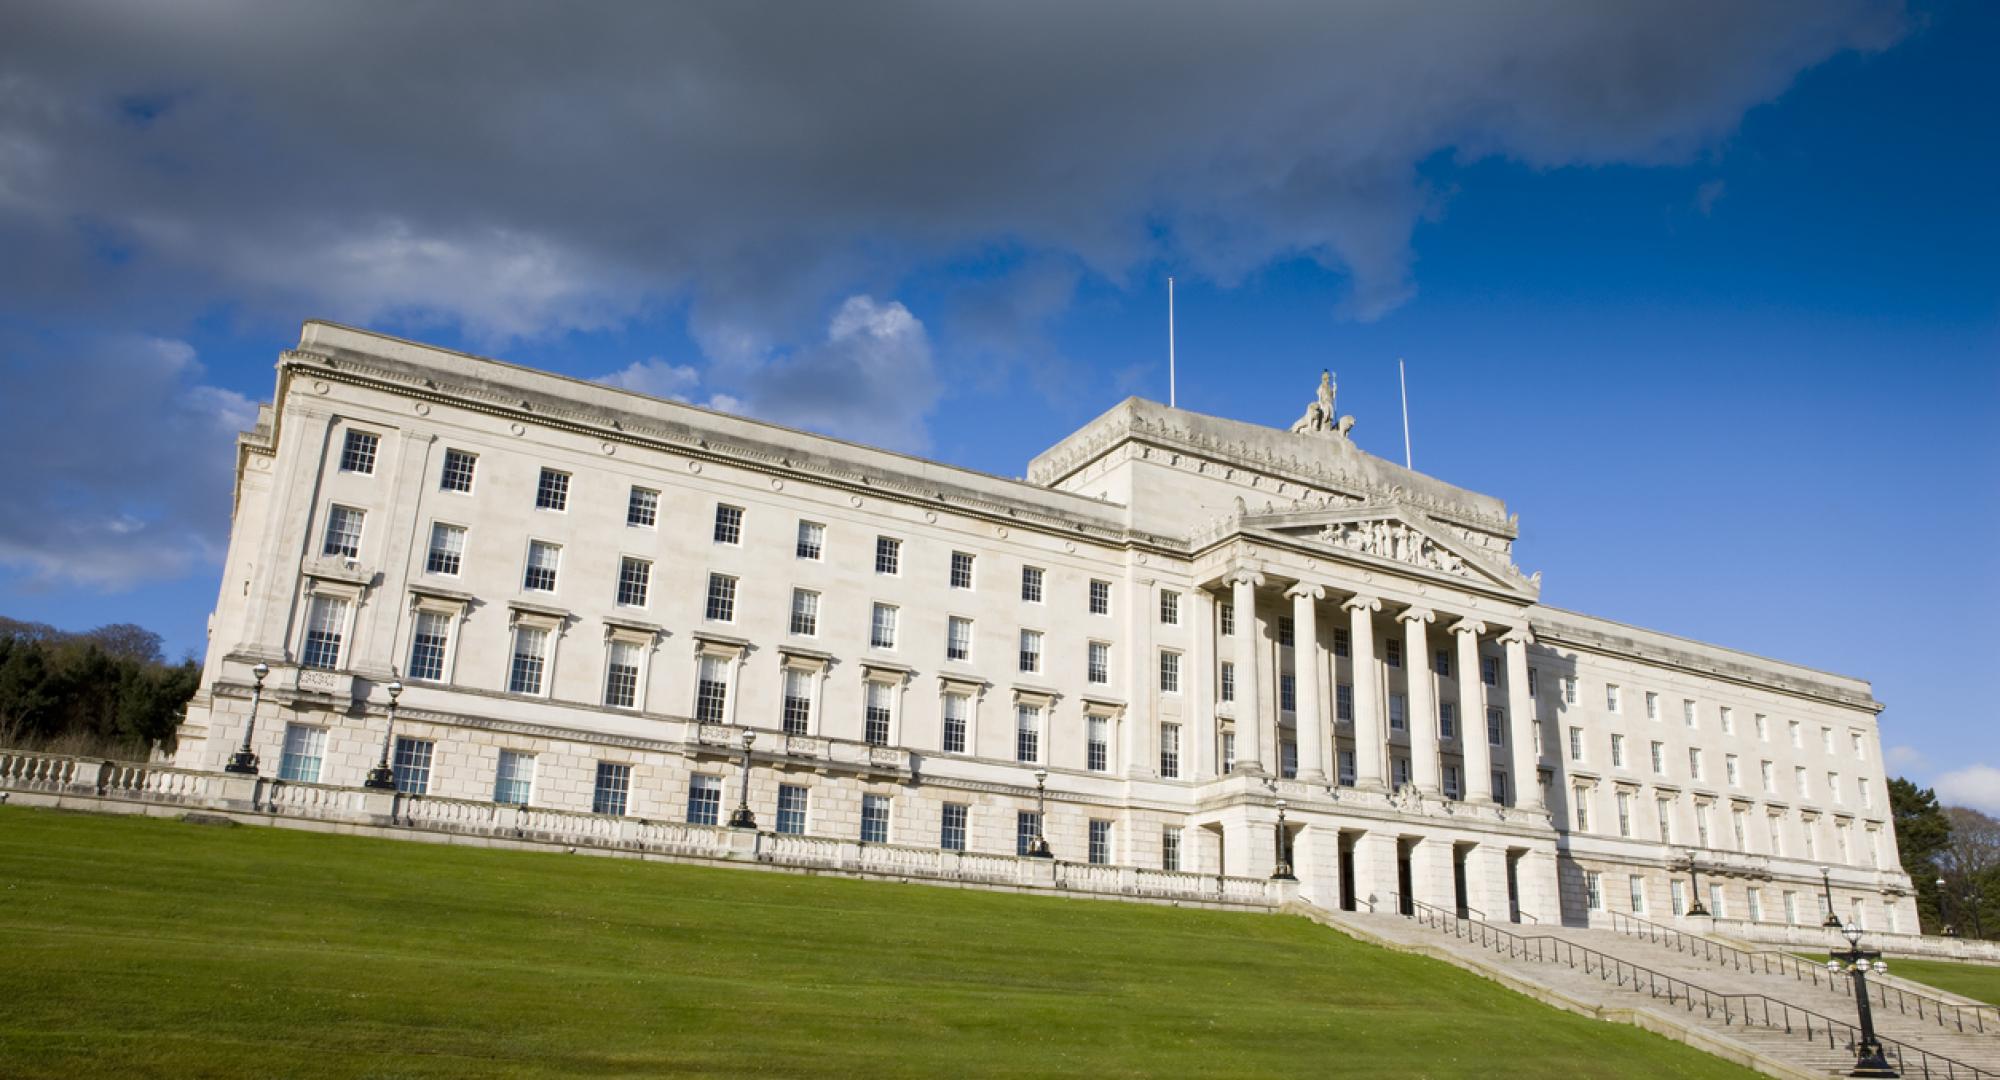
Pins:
x: 1922, y: 834
x: 1970, y: 864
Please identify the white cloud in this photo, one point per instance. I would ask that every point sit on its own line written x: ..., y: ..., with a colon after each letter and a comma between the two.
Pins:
x: 655, y: 377
x: 1976, y: 786
x: 1904, y: 758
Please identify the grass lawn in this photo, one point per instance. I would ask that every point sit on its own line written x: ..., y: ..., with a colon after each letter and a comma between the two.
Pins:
x: 1979, y: 982
x: 134, y: 946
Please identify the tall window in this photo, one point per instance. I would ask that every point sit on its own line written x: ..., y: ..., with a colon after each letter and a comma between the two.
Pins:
x: 642, y: 508
x: 704, y: 800
x: 458, y: 469
x: 357, y: 455
x: 1098, y: 666
x: 621, y: 674
x: 1170, y: 848
x: 812, y: 540
x: 634, y: 575
x: 1496, y: 726
x: 1170, y: 672
x: 326, y: 621
x: 430, y: 638
x: 1170, y: 608
x: 1451, y: 789
x: 1739, y: 825
x: 876, y: 729
x: 1637, y: 893
x: 1677, y: 896
x: 1500, y: 788
x: 1617, y: 750
x: 1665, y: 809
x: 1582, y: 799
x: 1225, y: 620
x: 1701, y: 834
x: 447, y: 551
x: 1652, y: 705
x: 1287, y: 632
x: 1342, y: 641
x: 805, y: 613
x: 343, y: 532
x: 956, y: 710
x: 1447, y: 720
x: 1611, y: 699
x: 1027, y: 733
x: 797, y: 716
x: 1288, y: 692
x: 413, y: 765
x: 1226, y: 682
x: 1624, y: 814
x: 531, y: 650
x: 874, y: 819
x: 614, y: 783
x: 961, y: 570
x: 1398, y: 718
x: 1727, y: 717
x: 1392, y: 653
x: 1031, y: 651
x: 1731, y: 770
x: 711, y: 694
x: 792, y: 809
x: 721, y: 598
x: 1489, y: 670
x: 1097, y: 744
x: 1027, y: 826
x: 728, y: 524
x: 1660, y: 759
x: 552, y: 491
x: 882, y: 627
x: 1228, y: 751
x: 1170, y: 751
x: 1694, y: 762
x: 951, y: 830
x: 1344, y: 767
x: 1343, y: 702
x: 514, y: 779
x: 305, y: 749
x: 1593, y: 888
x: 1100, y: 842
x: 1100, y: 597
x: 888, y: 555
x: 1687, y: 713
x: 1441, y: 663
x: 1031, y: 584
x: 957, y: 638
x: 1576, y: 744
x: 543, y: 560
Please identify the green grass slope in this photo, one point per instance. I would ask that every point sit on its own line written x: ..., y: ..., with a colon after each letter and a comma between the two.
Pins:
x: 152, y: 947
x: 1980, y: 982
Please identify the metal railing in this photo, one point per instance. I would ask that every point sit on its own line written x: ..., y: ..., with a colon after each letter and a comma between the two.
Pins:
x: 1965, y: 1018
x: 1465, y: 911
x: 1731, y: 1009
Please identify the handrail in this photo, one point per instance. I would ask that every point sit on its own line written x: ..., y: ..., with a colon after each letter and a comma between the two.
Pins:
x: 1734, y: 1008
x: 1944, y: 1013
x: 1474, y: 913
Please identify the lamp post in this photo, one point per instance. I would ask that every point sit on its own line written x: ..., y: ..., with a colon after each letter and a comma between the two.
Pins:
x: 382, y: 777
x: 243, y: 761
x: 1826, y: 884
x: 1038, y: 848
x: 1283, y: 871
x: 1869, y: 1059
x: 1693, y: 868
x: 741, y: 817
x: 1944, y: 909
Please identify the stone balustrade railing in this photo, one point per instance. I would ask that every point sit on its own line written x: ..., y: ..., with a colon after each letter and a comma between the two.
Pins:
x: 847, y: 752
x: 53, y: 779
x: 1819, y: 940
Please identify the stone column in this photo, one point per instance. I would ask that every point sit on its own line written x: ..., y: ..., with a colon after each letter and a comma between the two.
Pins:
x: 1423, y: 711
x: 1431, y: 864
x: 1305, y: 674
x: 1249, y: 722
x: 1368, y: 728
x: 1521, y: 717
x: 1472, y: 713
x: 1375, y: 871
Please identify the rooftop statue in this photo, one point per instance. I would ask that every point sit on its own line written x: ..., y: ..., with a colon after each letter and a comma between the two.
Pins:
x: 1319, y: 417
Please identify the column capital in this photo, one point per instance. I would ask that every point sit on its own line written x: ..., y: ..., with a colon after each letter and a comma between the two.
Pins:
x: 1306, y: 591
x: 1416, y: 614
x: 1468, y: 625
x: 1358, y: 602
x: 1252, y: 578
x: 1517, y: 635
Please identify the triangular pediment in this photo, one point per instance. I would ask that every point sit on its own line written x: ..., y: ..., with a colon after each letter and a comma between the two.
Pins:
x: 1399, y: 534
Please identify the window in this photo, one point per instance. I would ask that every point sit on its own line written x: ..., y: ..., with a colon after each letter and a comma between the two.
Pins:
x: 1227, y: 681
x: 524, y: 675
x: 951, y: 832
x: 633, y: 577
x: 458, y: 469
x: 1287, y: 632
x: 1593, y: 889
x: 614, y: 784
x: 1496, y: 726
x: 1343, y: 702
x: 791, y: 809
x: 1027, y: 827
x: 1727, y: 717
x: 1617, y: 751
x: 621, y: 674
x: 1731, y: 770
x: 1398, y: 721
x: 543, y: 561
x: 1652, y: 705
x: 1344, y: 766
x: 357, y: 455
x: 1665, y: 809
x: 326, y: 622
x: 875, y: 728
x: 447, y: 551
x: 1170, y: 848
x: 956, y: 711
x: 1576, y: 744
x: 413, y: 765
x: 1533, y: 680
x: 1766, y: 777
x: 343, y: 533
x: 805, y: 613
x: 1392, y: 653
x: 795, y: 715
x: 305, y: 749
x: 1031, y: 651
x: 1500, y: 788
x: 1739, y: 827
x: 1791, y: 908
x: 728, y: 524
x: 1637, y: 891
x: 1808, y: 828
x: 1099, y: 663
x: 1659, y: 759
x: 1799, y: 779
x: 1715, y: 898
x: 1399, y: 770
x: 1763, y: 728
x: 961, y: 570
x: 1170, y: 608
x: 1097, y: 744
x: 1170, y: 751
x: 514, y: 780
x: 812, y: 541
x: 888, y: 555
x: 1489, y: 670
x: 1775, y: 832
x: 1225, y: 616
x: 642, y: 508
x: 721, y: 598
x: 1701, y: 824
x: 1447, y: 720
x: 704, y: 799
x: 552, y: 491
x: 1342, y: 641
x: 1687, y: 713
x: 1441, y: 663
x: 1031, y: 587
x: 1677, y: 896
x: 1860, y: 749
x: 1694, y: 762
x: 874, y: 819
x: 429, y: 639
x: 1867, y: 797
x: 1569, y: 689
x: 1100, y: 842
x: 1027, y: 733
x: 1833, y: 786
x: 1610, y: 698
x: 1793, y: 727
x: 1288, y: 759
x: 1288, y: 692
x: 1451, y: 790
x: 711, y: 694
x: 1826, y: 740
x: 957, y: 638
x: 1170, y: 672
x: 1100, y: 597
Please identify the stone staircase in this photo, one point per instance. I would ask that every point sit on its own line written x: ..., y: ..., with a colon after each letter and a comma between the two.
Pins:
x: 1776, y: 1019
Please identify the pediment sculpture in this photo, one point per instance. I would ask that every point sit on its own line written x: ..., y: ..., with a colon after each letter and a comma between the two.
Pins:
x: 1320, y: 417
x: 1389, y: 539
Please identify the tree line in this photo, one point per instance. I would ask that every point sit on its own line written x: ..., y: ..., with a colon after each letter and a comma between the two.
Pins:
x: 1952, y: 854
x: 106, y: 692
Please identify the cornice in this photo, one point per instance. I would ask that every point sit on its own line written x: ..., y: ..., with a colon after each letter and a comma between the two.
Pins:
x: 1550, y: 633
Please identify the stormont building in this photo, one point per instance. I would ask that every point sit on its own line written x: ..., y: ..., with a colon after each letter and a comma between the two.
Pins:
x: 1188, y: 655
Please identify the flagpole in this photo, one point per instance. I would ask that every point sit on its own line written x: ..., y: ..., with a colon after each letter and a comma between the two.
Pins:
x: 1404, y: 382
x: 1172, y: 400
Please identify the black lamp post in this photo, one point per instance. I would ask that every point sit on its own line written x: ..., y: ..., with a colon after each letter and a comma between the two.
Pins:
x: 1694, y: 883
x: 1283, y: 871
x: 243, y: 761
x: 1869, y: 1058
x: 1944, y: 909
x: 1038, y: 848
x: 741, y: 817
x: 1826, y: 883
x: 382, y: 777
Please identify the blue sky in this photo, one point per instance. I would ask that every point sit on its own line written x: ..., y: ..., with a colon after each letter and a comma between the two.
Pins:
x: 1709, y: 299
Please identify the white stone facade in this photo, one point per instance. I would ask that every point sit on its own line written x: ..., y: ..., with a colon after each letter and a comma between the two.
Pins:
x: 1203, y: 623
